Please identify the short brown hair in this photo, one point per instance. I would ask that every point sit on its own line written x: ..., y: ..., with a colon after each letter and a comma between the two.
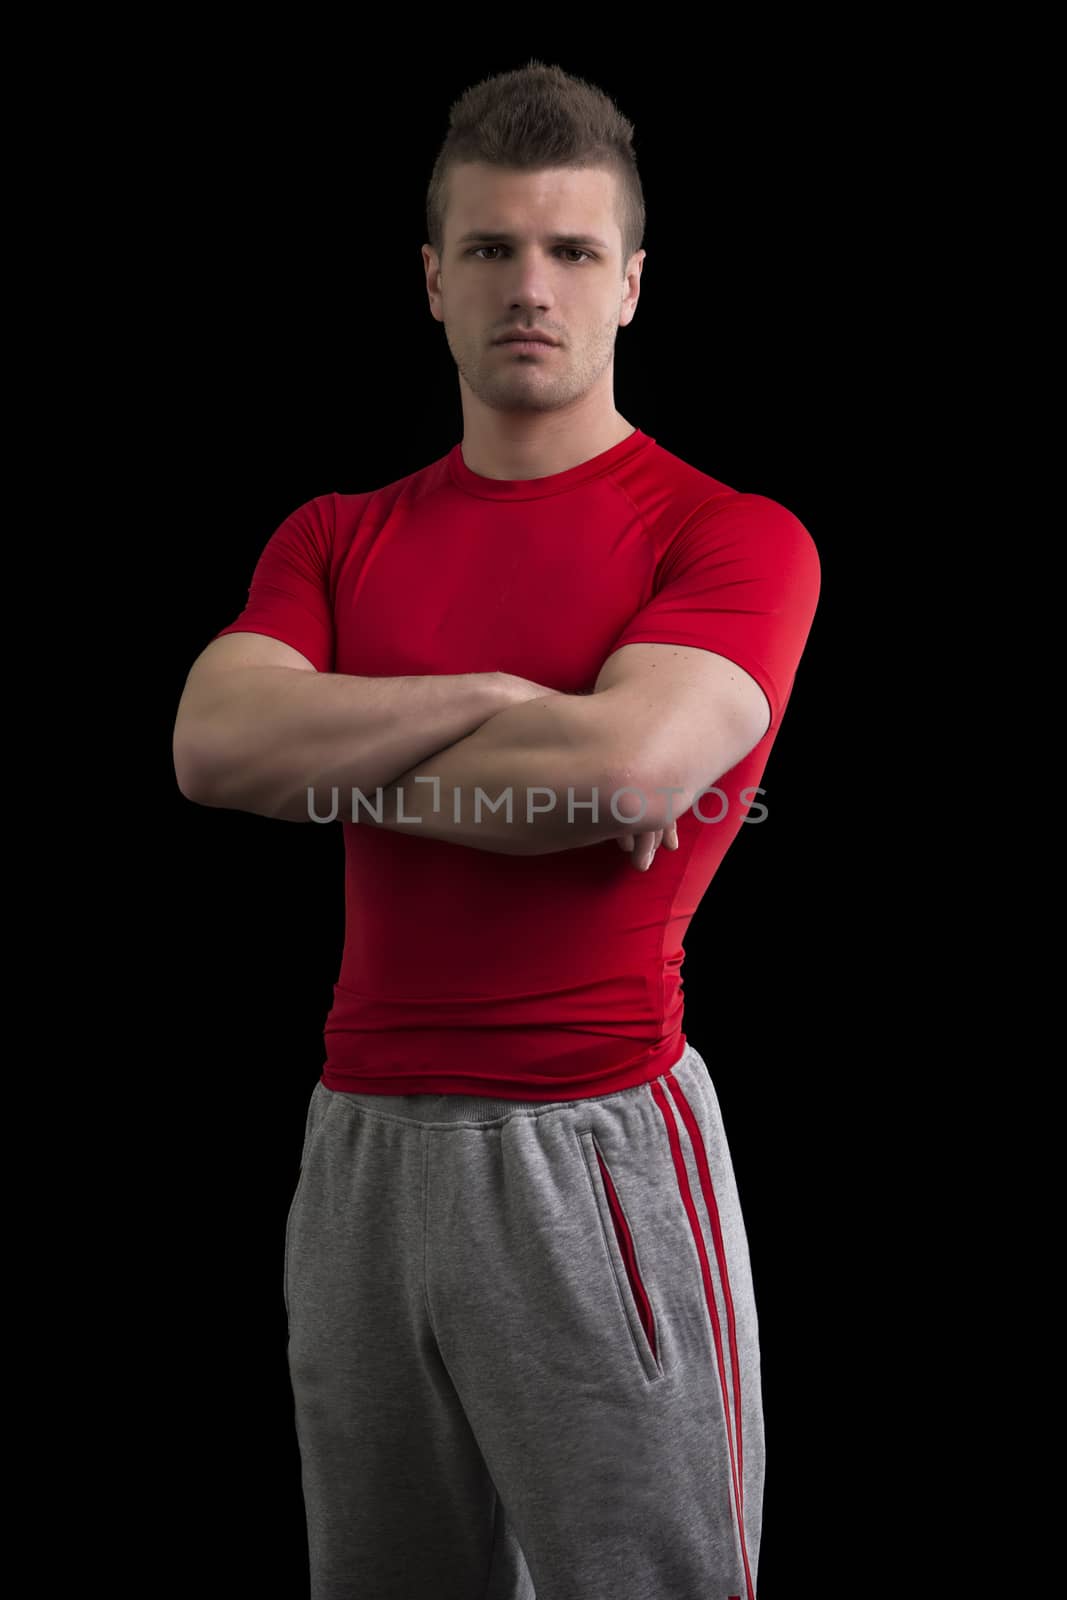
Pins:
x: 539, y: 116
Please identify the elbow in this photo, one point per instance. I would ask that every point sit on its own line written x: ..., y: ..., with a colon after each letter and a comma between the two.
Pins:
x: 206, y: 785
x: 191, y: 757
x: 204, y: 779
x: 202, y: 773
x: 189, y: 772
x: 194, y: 789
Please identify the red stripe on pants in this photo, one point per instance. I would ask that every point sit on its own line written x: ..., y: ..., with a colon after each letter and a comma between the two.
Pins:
x: 708, y: 1192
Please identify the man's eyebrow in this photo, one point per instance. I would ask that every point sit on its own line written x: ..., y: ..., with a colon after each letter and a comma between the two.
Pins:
x: 488, y: 235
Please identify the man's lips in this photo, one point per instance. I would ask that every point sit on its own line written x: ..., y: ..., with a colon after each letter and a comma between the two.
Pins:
x: 526, y: 338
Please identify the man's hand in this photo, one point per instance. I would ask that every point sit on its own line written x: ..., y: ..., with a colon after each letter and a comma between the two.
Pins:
x: 643, y: 846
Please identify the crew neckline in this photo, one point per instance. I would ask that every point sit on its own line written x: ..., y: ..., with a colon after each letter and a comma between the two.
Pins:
x: 555, y: 483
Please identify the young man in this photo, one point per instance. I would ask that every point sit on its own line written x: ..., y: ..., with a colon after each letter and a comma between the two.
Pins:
x: 522, y: 1330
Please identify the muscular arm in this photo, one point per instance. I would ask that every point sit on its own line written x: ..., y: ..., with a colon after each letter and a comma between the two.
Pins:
x: 258, y: 726
x: 558, y: 743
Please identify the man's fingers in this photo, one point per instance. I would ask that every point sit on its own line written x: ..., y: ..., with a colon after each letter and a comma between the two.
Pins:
x: 642, y: 847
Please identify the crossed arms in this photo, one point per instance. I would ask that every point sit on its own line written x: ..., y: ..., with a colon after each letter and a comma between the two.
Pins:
x: 663, y: 722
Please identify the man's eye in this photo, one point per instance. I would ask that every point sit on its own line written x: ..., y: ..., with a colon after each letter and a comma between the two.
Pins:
x: 571, y: 249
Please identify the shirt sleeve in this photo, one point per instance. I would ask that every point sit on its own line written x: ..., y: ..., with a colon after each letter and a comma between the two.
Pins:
x: 289, y: 597
x: 743, y: 580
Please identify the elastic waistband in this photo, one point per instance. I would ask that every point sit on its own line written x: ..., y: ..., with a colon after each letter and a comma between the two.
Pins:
x: 429, y: 1109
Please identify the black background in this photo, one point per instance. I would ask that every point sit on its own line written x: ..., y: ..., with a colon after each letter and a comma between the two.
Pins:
x: 281, y: 346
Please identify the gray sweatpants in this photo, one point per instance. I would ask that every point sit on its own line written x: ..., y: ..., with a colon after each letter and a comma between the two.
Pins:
x: 523, y: 1347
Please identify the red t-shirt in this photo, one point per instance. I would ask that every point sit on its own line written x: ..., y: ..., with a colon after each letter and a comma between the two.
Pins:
x: 530, y: 977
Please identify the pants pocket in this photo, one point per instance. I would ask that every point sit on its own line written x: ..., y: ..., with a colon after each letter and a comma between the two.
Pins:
x: 318, y: 1110
x: 622, y: 1253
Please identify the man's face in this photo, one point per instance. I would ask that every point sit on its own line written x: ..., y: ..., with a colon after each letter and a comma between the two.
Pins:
x: 505, y: 265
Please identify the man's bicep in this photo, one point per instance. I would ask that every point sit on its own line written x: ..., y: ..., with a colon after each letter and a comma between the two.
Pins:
x: 678, y: 716
x: 290, y: 596
x: 716, y: 645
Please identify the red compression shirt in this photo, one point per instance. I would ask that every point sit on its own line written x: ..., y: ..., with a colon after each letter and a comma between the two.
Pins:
x: 543, y: 977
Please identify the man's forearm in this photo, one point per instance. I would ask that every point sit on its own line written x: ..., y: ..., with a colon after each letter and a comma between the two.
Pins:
x: 551, y: 756
x: 257, y: 738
